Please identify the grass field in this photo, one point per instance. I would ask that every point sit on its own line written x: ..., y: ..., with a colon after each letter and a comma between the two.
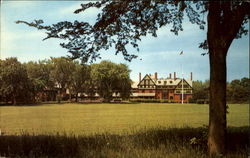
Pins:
x: 85, y: 119
x: 116, y: 130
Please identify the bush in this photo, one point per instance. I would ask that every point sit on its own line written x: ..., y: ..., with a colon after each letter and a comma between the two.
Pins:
x: 164, y: 101
x: 202, y: 101
x: 191, y: 100
x: 144, y: 100
x: 172, y: 101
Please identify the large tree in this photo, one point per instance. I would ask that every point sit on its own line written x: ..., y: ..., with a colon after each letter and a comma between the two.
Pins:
x: 110, y: 78
x: 123, y: 23
x: 200, y: 90
x: 15, y: 85
x: 80, y: 79
x: 61, y: 74
x: 238, y: 91
x: 39, y: 74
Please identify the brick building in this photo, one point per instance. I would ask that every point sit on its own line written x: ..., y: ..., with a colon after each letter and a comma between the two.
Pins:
x: 170, y: 88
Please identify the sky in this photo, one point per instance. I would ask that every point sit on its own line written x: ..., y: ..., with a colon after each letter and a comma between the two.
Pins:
x: 159, y: 54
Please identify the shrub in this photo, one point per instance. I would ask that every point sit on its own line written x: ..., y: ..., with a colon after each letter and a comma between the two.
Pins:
x: 144, y: 100
x: 191, y: 100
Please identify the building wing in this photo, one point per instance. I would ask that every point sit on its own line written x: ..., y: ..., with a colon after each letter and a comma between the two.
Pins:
x: 147, y: 82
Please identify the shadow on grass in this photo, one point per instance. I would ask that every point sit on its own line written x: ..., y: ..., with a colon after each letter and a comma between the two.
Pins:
x: 158, y: 142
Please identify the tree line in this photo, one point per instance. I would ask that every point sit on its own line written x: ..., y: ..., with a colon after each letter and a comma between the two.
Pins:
x: 238, y: 91
x: 50, y: 79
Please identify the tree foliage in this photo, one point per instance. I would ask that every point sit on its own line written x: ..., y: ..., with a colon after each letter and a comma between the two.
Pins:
x: 80, y: 79
x: 123, y: 23
x: 200, y: 91
x: 39, y: 73
x: 109, y: 77
x: 238, y: 91
x: 61, y: 74
x: 39, y: 81
x: 15, y: 84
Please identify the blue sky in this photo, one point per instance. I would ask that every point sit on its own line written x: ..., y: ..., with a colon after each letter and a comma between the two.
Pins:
x: 159, y: 54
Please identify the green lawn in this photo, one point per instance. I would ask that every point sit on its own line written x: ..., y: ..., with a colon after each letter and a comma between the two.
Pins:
x: 112, y: 118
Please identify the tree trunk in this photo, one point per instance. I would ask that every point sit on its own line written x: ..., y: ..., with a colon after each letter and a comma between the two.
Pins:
x: 14, y: 99
x: 76, y: 96
x: 59, y: 96
x: 70, y: 96
x: 217, y: 105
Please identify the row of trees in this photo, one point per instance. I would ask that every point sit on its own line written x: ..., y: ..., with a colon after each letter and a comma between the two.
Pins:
x: 29, y: 82
x: 238, y: 91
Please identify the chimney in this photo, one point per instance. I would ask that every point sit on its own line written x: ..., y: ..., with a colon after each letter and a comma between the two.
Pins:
x: 156, y: 75
x: 170, y: 75
x: 139, y: 77
x: 191, y: 76
x: 174, y: 75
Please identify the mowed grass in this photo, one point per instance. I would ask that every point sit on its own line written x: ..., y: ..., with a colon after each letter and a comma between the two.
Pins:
x: 88, y: 119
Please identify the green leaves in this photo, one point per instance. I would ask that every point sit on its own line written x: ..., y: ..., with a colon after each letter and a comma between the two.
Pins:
x: 111, y: 78
x: 15, y: 84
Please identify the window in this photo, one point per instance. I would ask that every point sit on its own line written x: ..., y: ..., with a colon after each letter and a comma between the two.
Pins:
x: 171, y: 97
x: 171, y: 81
x: 165, y: 82
x: 159, y: 82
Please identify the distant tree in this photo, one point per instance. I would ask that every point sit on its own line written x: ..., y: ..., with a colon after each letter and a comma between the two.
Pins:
x: 15, y: 83
x: 90, y: 89
x: 80, y: 79
x: 123, y: 23
x: 39, y: 74
x: 200, y: 90
x: 123, y: 86
x: 110, y: 78
x: 245, y: 83
x: 238, y: 91
x: 61, y: 74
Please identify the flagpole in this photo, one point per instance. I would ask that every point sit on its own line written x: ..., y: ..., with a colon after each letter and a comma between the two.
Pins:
x: 182, y: 93
x: 182, y: 85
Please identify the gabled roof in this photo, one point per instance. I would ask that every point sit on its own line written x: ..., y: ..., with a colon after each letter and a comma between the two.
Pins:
x: 145, y: 77
x: 189, y: 82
